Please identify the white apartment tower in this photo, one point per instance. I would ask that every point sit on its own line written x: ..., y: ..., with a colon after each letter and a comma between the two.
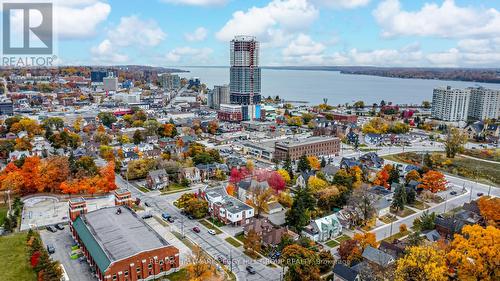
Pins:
x: 449, y: 104
x: 484, y: 103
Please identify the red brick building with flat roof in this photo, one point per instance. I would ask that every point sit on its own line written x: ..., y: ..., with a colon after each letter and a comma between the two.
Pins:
x: 119, y: 245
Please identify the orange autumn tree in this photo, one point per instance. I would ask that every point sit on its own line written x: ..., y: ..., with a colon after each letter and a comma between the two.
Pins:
x: 106, y: 183
x: 314, y: 162
x: 490, y: 209
x: 366, y: 239
x: 433, y: 181
x: 230, y: 189
x: 382, y: 178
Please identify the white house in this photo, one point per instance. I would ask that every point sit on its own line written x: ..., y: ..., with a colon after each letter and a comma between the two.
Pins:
x: 227, y: 208
x: 323, y: 229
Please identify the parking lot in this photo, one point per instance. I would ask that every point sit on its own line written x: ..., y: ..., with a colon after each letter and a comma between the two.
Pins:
x: 62, y: 242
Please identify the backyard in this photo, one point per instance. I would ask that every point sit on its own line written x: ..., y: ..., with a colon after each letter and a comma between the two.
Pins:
x: 14, y: 264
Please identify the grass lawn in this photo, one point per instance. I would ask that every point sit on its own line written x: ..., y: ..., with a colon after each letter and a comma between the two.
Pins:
x: 405, y: 212
x: 420, y: 205
x: 173, y: 188
x: 482, y: 171
x: 240, y: 237
x: 160, y: 221
x: 14, y: 264
x: 143, y: 189
x: 209, y: 225
x: 332, y: 243
x: 180, y: 275
x: 3, y: 213
x: 233, y: 242
x: 252, y: 255
x: 388, y: 219
x: 342, y: 238
x: 183, y: 240
x: 397, y: 236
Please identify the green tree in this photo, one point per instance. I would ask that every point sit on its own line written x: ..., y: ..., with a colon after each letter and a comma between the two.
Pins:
x: 138, y: 138
x: 107, y: 118
x: 303, y: 165
x: 299, y: 215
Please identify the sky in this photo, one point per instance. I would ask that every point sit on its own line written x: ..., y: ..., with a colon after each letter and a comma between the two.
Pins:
x: 429, y: 33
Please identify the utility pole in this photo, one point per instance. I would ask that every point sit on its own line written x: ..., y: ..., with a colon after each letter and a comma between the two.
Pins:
x: 445, y: 201
x: 390, y: 234
x: 182, y: 226
x: 489, y: 189
x: 231, y: 259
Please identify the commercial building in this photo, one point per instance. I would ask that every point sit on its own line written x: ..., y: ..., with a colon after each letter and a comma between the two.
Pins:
x: 219, y: 95
x: 170, y: 81
x: 110, y: 82
x: 245, y: 73
x: 484, y: 103
x: 119, y: 245
x: 230, y: 113
x: 6, y: 107
x: 450, y: 104
x: 315, y: 146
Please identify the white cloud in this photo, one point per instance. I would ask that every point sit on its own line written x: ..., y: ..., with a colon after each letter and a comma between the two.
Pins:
x: 134, y: 31
x: 304, y: 50
x: 277, y: 17
x: 74, y: 19
x: 189, y: 54
x: 105, y: 53
x: 198, y: 35
x: 197, y: 2
x: 447, y: 20
x: 342, y: 4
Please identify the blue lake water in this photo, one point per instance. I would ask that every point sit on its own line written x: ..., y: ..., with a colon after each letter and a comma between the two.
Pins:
x: 313, y: 86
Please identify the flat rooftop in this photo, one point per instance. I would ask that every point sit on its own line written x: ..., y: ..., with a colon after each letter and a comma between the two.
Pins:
x: 121, y: 235
x: 305, y: 141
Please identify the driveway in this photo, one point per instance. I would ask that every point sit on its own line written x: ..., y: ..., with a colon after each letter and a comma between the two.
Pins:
x: 62, y: 242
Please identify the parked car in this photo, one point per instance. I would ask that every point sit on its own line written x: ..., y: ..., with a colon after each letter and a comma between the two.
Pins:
x: 250, y: 269
x: 59, y: 226
x: 51, y: 249
x: 479, y: 194
x: 170, y: 219
x: 191, y: 217
x: 211, y: 231
x: 165, y: 216
x: 453, y: 193
x: 196, y: 229
x: 147, y: 204
x: 51, y: 228
x: 222, y: 260
x: 147, y: 216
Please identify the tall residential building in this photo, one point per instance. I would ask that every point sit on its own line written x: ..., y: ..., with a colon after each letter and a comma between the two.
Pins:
x: 245, y: 72
x: 484, y: 103
x: 170, y: 81
x: 219, y: 95
x: 450, y: 104
x: 97, y: 76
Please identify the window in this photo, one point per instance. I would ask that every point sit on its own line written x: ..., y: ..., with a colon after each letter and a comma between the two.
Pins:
x: 114, y: 276
x: 150, y: 266
x: 161, y: 262
x: 138, y: 269
x: 126, y: 273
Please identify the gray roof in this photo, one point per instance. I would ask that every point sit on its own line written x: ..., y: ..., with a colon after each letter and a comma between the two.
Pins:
x: 345, y: 272
x: 156, y: 173
x: 377, y: 256
x: 121, y: 235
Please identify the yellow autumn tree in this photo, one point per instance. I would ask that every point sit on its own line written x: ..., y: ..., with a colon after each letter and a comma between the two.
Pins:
x: 284, y: 174
x: 476, y: 253
x: 199, y: 268
x: 423, y: 263
x: 316, y: 183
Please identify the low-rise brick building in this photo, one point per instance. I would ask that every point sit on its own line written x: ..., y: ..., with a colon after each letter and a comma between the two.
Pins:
x: 119, y: 245
x: 314, y: 146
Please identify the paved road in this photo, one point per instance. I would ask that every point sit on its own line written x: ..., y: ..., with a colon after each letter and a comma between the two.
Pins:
x: 212, y: 244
